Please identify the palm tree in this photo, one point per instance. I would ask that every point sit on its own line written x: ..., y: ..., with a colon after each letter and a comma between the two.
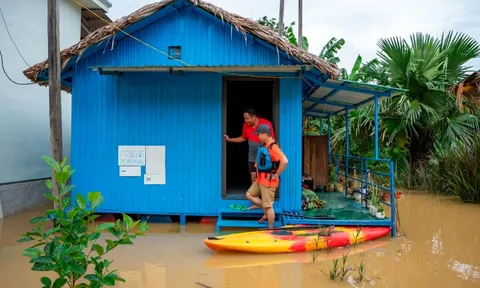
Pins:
x: 426, y: 114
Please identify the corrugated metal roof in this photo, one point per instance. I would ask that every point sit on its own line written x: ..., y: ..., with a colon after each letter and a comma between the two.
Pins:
x: 206, y: 68
x: 334, y: 96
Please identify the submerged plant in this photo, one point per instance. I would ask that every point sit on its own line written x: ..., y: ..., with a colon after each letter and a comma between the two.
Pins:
x: 68, y: 248
x: 339, y: 271
x: 356, y: 237
x: 360, y: 272
x: 322, y: 232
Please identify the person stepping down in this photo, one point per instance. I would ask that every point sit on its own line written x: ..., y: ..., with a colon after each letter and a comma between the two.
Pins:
x: 270, y: 163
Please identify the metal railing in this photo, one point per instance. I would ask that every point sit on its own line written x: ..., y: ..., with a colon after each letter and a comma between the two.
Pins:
x: 367, y: 169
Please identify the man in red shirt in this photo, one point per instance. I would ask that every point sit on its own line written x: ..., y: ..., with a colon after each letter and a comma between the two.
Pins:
x: 249, y: 133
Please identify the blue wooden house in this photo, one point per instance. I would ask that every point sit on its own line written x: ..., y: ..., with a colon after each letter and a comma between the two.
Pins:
x: 154, y: 93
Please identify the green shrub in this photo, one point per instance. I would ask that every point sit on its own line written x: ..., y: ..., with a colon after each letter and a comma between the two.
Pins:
x: 458, y: 174
x: 68, y: 248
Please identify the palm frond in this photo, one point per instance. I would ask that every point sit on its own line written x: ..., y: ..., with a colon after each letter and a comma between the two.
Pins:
x: 331, y: 48
x: 396, y: 55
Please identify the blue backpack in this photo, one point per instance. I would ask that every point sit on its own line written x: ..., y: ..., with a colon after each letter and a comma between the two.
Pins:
x: 264, y: 161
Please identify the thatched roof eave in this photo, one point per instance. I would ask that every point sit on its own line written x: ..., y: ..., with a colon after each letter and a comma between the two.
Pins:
x: 243, y: 25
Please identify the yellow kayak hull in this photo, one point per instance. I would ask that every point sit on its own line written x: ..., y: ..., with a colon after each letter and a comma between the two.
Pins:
x: 295, y: 238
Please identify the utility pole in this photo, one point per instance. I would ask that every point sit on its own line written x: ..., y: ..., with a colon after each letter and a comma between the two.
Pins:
x: 280, y: 18
x: 55, y: 107
x: 300, y: 24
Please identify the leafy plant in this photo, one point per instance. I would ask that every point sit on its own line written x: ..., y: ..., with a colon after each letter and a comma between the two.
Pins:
x: 69, y: 248
x: 458, y: 174
x: 330, y: 50
x: 322, y: 232
x: 339, y: 271
x: 375, y: 198
x: 379, y: 208
x: 287, y: 32
x: 361, y: 269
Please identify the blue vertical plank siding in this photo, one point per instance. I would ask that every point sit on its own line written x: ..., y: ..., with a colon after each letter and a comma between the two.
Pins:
x: 184, y: 114
x: 203, y: 41
x: 181, y: 112
x: 291, y: 142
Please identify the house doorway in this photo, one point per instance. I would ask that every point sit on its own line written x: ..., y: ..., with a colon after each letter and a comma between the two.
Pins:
x: 240, y: 93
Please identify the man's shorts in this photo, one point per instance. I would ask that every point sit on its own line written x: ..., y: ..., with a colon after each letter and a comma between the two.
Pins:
x: 251, y: 167
x: 267, y: 193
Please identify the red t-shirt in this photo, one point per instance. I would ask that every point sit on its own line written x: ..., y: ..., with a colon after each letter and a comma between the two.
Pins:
x: 253, y: 141
x: 248, y: 131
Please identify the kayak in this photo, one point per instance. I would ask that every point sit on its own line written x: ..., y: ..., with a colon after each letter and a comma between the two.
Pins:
x: 295, y: 238
x: 233, y: 259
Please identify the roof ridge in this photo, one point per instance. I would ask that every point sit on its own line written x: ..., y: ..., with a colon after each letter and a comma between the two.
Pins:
x: 242, y: 24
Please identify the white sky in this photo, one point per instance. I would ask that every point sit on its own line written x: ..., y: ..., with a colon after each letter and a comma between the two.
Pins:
x: 360, y: 22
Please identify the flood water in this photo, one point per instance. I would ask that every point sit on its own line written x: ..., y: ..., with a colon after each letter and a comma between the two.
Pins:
x: 441, y: 249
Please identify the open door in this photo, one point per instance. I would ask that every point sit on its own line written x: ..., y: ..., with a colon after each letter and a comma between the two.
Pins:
x: 238, y: 94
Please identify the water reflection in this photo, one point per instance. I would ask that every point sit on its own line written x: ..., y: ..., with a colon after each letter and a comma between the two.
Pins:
x: 465, y: 271
x: 437, y: 246
x: 439, y: 251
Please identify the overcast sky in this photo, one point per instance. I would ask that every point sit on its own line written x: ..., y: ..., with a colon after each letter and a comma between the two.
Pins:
x: 360, y: 22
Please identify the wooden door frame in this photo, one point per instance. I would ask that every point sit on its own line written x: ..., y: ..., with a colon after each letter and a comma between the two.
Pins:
x: 276, y: 123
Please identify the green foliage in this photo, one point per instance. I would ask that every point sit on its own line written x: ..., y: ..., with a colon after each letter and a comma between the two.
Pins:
x: 68, y: 249
x: 314, y: 126
x: 288, y: 32
x: 330, y: 50
x: 339, y: 271
x: 458, y: 174
x: 272, y: 23
x: 361, y: 269
x: 417, y: 128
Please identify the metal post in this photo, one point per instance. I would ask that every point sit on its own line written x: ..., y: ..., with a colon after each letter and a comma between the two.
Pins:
x: 361, y: 181
x: 347, y: 144
x: 392, y: 197
x: 376, y: 127
x: 321, y: 127
x: 337, y: 166
x: 328, y: 119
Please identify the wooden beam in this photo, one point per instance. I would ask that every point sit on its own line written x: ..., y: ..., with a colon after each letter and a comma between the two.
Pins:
x: 55, y: 105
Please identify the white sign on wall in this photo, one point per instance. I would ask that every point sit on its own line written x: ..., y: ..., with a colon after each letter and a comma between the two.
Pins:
x: 130, y: 171
x: 131, y: 155
x: 155, y: 166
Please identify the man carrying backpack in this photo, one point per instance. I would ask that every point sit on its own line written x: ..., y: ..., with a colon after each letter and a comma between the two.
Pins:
x: 270, y: 164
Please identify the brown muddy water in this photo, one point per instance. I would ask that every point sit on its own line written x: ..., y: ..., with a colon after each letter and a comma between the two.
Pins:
x: 441, y: 249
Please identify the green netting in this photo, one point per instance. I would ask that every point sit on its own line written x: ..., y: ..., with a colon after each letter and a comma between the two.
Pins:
x: 342, y: 208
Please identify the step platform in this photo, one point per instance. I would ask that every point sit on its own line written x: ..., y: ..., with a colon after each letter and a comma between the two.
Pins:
x: 254, y: 215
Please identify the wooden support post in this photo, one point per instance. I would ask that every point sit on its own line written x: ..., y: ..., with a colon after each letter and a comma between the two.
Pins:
x: 55, y: 106
x: 280, y: 18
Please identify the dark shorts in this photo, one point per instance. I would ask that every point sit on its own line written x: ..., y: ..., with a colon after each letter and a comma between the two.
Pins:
x: 251, y: 167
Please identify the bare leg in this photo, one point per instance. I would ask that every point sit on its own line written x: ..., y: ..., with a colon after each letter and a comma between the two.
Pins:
x: 256, y: 200
x: 253, y: 178
x: 270, y: 216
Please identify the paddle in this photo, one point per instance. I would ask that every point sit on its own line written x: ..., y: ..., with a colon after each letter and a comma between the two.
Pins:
x: 306, y: 227
x: 320, y: 217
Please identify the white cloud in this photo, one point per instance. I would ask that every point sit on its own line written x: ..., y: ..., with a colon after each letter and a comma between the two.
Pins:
x: 360, y: 23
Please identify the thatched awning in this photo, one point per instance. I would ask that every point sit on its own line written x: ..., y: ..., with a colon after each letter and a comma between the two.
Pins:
x: 90, y: 22
x: 243, y: 25
x: 468, y: 88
